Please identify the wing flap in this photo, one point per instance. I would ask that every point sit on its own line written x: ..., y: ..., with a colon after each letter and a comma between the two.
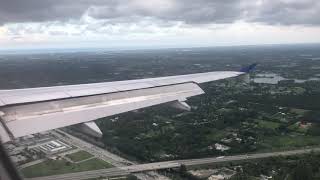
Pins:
x: 22, y: 120
x: 4, y: 135
x: 91, y: 128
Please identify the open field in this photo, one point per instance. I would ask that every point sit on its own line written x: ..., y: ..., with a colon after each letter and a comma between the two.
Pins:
x: 52, y: 167
x: 268, y: 124
x: 288, y: 142
x: 79, y: 156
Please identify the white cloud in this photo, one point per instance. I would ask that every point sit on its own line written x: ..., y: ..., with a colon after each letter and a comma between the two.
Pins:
x: 157, y: 22
x: 149, y: 32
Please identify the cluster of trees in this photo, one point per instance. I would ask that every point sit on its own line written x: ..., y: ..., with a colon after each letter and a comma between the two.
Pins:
x: 305, y: 167
x: 163, y: 133
x: 305, y: 100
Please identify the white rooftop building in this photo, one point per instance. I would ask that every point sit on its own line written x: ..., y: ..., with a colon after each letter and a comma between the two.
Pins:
x: 221, y: 147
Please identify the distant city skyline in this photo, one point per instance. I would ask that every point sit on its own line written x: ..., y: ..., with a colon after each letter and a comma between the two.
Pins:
x: 138, y: 24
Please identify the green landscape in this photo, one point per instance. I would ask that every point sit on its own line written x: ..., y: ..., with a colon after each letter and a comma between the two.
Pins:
x: 245, y: 118
x: 277, y: 110
x: 61, y: 166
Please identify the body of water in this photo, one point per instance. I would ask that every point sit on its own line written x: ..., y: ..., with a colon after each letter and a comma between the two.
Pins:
x: 272, y: 78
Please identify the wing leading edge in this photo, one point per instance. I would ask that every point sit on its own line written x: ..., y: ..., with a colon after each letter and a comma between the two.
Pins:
x: 29, y: 111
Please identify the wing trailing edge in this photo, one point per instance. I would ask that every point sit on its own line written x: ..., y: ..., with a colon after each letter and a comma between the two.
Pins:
x: 26, y: 119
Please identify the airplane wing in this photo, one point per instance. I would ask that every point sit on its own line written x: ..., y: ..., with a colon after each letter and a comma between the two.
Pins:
x: 33, y: 110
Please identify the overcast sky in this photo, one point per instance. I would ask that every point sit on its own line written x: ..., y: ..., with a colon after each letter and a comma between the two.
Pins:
x: 156, y: 23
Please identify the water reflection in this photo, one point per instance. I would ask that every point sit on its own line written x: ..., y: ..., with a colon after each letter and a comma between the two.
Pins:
x: 272, y: 78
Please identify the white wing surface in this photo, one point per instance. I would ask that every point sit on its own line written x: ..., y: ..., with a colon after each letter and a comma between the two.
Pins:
x: 28, y: 111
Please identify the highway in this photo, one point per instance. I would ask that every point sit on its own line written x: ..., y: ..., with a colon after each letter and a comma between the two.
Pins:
x: 192, y: 162
x: 125, y: 170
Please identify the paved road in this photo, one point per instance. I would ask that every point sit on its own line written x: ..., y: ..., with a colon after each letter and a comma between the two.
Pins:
x: 125, y: 170
x: 191, y: 162
x: 31, y: 163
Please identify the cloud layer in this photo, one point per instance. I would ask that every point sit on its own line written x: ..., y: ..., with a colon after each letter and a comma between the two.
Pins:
x: 283, y: 12
x: 156, y: 23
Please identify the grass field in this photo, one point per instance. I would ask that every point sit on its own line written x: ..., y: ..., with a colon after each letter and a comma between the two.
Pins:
x: 51, y: 167
x: 79, y: 156
x: 300, y: 112
x: 287, y: 142
x: 216, y: 135
x: 267, y: 124
x: 296, y: 127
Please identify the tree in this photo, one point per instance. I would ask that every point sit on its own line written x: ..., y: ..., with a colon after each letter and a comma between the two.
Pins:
x: 131, y: 177
x: 183, y: 170
x: 240, y: 176
x: 302, y: 171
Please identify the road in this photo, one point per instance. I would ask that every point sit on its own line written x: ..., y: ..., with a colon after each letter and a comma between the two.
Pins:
x: 125, y: 170
x: 105, y: 155
x: 192, y: 162
x: 31, y: 163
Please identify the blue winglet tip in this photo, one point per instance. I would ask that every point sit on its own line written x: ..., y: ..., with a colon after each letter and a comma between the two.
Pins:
x: 249, y: 68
